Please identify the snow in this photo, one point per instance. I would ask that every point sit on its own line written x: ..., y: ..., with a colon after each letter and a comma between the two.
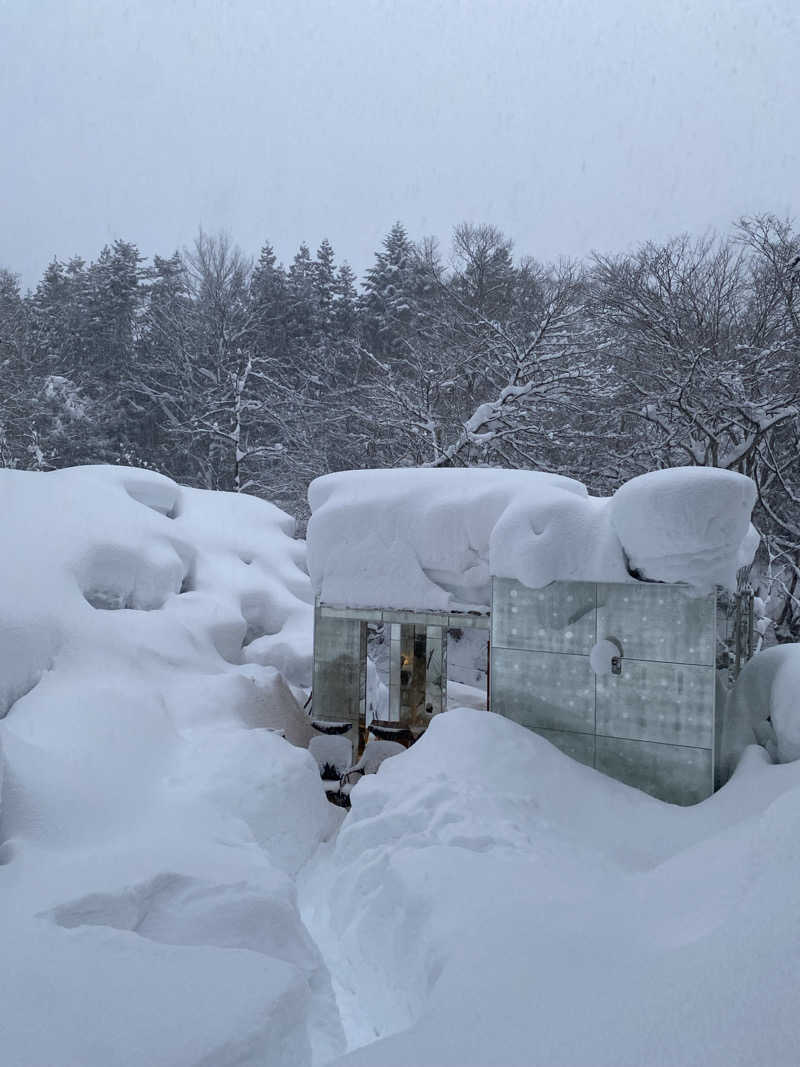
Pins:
x: 460, y: 695
x: 603, y: 654
x: 376, y: 751
x: 686, y: 524
x: 153, y: 638
x: 785, y: 705
x: 178, y: 892
x: 489, y: 901
x: 432, y: 538
x: 333, y: 751
x: 764, y: 706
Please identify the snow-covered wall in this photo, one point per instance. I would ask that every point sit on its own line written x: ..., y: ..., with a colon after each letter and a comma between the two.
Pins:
x: 432, y: 538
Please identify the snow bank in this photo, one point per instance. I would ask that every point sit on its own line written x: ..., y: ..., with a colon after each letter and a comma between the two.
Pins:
x: 429, y: 538
x: 764, y: 706
x: 152, y: 821
x: 489, y: 901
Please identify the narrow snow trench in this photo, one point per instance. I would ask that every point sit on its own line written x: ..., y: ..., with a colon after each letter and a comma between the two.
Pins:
x: 314, y: 885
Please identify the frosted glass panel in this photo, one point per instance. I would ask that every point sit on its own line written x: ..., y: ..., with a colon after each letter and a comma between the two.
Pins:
x: 666, y: 702
x: 657, y: 622
x: 579, y: 747
x: 558, y: 618
x: 669, y: 772
x: 339, y: 645
x: 543, y: 689
x: 652, y: 725
x: 395, y: 656
x: 435, y: 669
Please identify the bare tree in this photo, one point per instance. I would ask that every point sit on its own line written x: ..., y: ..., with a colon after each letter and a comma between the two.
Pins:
x: 703, y: 348
x: 707, y: 377
x: 774, y: 250
x: 217, y: 394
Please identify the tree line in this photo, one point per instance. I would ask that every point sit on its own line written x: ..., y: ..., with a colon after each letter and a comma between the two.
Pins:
x: 248, y: 375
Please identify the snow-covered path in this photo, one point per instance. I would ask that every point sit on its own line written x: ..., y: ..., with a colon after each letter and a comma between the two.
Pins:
x: 314, y: 884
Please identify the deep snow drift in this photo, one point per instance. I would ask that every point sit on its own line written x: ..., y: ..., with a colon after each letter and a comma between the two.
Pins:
x: 490, y: 902
x: 151, y: 825
x: 430, y: 538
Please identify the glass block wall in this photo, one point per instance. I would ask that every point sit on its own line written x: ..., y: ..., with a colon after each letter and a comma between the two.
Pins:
x: 652, y: 724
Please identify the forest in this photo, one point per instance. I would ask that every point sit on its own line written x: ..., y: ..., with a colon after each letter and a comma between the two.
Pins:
x: 246, y: 375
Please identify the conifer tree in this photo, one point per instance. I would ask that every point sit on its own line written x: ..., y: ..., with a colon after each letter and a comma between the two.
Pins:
x: 300, y: 296
x: 345, y: 312
x: 269, y: 302
x: 324, y: 288
x: 15, y: 384
x: 389, y: 292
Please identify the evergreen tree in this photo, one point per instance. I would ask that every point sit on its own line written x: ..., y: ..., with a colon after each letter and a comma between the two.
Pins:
x: 389, y: 293
x: 63, y: 426
x: 268, y: 291
x: 165, y: 343
x: 270, y: 307
x: 12, y: 317
x: 345, y: 308
x: 268, y: 281
x: 15, y: 387
x: 300, y: 289
x: 324, y: 288
x: 58, y: 317
x: 114, y: 297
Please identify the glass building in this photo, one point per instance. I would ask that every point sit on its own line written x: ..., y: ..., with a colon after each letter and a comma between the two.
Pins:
x: 618, y: 676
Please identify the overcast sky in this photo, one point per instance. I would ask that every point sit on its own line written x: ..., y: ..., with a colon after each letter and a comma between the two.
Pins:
x: 572, y: 125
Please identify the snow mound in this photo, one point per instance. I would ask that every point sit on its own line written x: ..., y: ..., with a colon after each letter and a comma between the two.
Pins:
x: 490, y: 901
x: 153, y: 817
x: 375, y: 754
x: 764, y: 706
x: 333, y: 754
x: 686, y: 523
x: 431, y: 538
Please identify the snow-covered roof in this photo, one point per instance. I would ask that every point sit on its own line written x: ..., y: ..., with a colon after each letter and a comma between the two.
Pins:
x: 431, y: 538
